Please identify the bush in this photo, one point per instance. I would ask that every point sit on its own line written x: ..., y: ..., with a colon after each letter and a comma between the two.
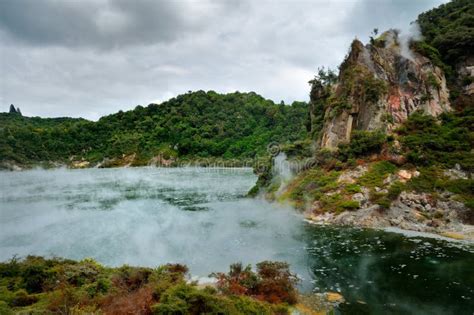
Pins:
x: 5, y: 309
x: 362, y: 143
x: 34, y: 274
x: 238, y: 281
x: 428, y: 141
x: 277, y: 283
x: 310, y: 185
x: 187, y: 299
x: 376, y: 174
x: 395, y: 190
x: 22, y: 298
x: 273, y: 282
x: 350, y: 205
x: 352, y: 188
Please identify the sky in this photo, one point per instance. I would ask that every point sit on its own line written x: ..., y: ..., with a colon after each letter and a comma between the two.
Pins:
x: 91, y: 58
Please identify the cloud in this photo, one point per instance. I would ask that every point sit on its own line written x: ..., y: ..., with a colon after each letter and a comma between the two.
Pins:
x: 90, y: 58
x: 99, y: 24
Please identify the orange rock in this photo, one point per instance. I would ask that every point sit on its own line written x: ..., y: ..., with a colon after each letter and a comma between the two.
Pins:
x: 404, y: 175
x: 334, y: 297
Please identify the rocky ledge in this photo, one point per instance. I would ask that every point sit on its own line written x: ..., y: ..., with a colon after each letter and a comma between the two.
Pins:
x: 440, y: 212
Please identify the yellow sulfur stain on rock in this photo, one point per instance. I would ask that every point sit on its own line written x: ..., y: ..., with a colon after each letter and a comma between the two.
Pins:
x: 304, y: 310
x: 453, y: 235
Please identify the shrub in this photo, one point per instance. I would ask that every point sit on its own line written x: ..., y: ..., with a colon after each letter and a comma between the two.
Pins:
x: 352, y: 188
x: 433, y: 54
x: 277, y: 283
x: 384, y: 200
x: 350, y: 205
x: 395, y: 190
x: 22, y: 298
x: 5, y: 309
x: 427, y: 181
x: 310, y: 185
x: 134, y: 302
x: 186, y: 299
x: 131, y: 278
x: 10, y: 268
x: 238, y: 281
x: 273, y: 282
x: 376, y: 174
x: 34, y: 274
x: 428, y: 141
x: 362, y: 143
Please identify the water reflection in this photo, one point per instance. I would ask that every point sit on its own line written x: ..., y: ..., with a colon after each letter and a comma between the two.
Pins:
x: 388, y: 273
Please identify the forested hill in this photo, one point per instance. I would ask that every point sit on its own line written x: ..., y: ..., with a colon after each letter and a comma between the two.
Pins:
x: 193, y: 125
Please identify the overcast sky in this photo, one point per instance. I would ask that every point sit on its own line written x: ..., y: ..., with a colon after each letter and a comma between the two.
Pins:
x: 89, y: 58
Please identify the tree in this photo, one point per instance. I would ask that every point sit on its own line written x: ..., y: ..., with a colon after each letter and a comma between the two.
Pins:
x: 12, y: 109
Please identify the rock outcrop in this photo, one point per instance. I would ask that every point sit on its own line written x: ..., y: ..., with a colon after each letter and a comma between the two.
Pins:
x: 378, y: 87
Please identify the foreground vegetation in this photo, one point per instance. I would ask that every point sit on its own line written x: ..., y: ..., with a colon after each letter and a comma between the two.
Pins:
x: 36, y: 285
x: 194, y: 125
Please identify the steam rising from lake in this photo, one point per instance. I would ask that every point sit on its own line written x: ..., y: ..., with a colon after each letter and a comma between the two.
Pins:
x: 145, y: 216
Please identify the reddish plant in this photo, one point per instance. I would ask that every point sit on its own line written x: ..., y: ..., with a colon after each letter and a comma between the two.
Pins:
x: 136, y: 302
x: 273, y: 282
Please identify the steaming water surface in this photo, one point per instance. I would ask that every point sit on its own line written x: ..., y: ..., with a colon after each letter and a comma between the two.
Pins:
x: 151, y: 216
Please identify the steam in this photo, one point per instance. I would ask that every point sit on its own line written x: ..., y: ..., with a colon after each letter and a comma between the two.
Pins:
x: 367, y: 59
x: 282, y: 167
x: 145, y: 216
x: 412, y: 33
x: 282, y: 171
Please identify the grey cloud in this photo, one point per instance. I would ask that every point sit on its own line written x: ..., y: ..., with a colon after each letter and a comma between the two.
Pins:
x: 91, y: 58
x: 102, y: 24
x: 385, y: 14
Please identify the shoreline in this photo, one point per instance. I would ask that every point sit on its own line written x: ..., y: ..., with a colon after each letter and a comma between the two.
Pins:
x: 199, y: 162
x: 445, y: 235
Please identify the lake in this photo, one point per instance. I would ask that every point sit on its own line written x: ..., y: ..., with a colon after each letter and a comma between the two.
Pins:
x: 200, y: 217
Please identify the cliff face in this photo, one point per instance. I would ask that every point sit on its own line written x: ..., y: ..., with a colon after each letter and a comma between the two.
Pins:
x: 379, y: 86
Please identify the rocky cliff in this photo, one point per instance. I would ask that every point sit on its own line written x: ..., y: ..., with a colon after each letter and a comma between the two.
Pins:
x: 379, y: 85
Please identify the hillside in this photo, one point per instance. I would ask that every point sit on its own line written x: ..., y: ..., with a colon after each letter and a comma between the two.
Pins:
x: 393, y: 132
x: 194, y: 125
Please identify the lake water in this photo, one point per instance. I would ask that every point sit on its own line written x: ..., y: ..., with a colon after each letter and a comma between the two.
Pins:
x: 200, y: 217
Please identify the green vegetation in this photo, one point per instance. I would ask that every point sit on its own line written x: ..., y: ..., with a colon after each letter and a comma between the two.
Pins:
x: 362, y: 143
x: 375, y: 177
x: 318, y: 185
x: 358, y: 85
x: 376, y: 174
x: 361, y: 84
x: 310, y: 185
x: 449, y: 29
x: 433, y: 54
x: 338, y: 203
x: 273, y: 282
x: 37, y: 285
x: 320, y: 92
x: 194, y: 125
x: 433, y: 180
x: 445, y: 142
